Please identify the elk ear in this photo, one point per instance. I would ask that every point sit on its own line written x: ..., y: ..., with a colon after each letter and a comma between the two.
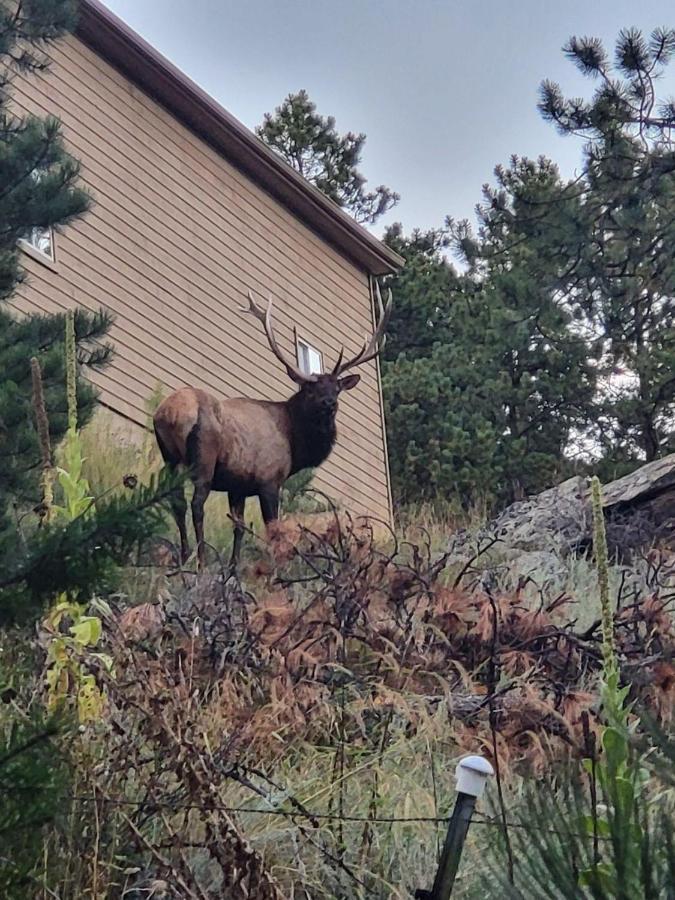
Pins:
x: 346, y: 384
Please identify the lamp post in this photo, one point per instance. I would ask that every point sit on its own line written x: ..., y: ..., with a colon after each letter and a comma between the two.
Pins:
x: 471, y: 776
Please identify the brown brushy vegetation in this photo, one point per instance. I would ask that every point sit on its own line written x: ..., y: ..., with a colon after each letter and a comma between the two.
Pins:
x: 260, y: 735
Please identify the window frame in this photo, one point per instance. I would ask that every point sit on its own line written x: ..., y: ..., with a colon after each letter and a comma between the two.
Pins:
x: 26, y: 244
x: 310, y: 347
x: 29, y: 248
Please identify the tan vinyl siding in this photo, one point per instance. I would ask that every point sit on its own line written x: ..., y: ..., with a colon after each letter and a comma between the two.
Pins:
x: 176, y: 237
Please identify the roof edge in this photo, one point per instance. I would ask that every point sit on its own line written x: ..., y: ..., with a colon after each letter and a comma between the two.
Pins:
x: 115, y: 41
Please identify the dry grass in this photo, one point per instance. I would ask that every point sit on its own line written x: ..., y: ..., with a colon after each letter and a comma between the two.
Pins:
x: 433, y: 523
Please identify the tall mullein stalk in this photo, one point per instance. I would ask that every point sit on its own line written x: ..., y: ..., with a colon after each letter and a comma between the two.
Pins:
x: 42, y: 422
x: 71, y: 371
x: 613, y: 696
x: 74, y: 486
x: 602, y: 566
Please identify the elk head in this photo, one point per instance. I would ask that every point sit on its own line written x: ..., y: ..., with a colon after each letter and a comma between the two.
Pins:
x: 318, y: 394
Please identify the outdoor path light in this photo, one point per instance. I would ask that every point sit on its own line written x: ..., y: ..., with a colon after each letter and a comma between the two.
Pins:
x: 471, y: 777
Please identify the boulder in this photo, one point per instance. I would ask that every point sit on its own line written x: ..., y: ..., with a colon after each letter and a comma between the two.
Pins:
x: 640, y: 507
x: 556, y: 520
x: 639, y: 512
x: 652, y: 479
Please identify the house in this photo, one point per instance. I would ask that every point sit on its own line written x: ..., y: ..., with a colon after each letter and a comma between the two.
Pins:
x: 191, y: 210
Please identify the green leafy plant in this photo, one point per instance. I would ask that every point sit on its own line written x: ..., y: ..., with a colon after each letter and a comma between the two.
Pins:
x: 42, y: 423
x: 619, y: 776
x: 77, y: 499
x: 70, y: 658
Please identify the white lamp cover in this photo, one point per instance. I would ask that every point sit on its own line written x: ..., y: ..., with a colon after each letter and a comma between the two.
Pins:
x: 471, y: 774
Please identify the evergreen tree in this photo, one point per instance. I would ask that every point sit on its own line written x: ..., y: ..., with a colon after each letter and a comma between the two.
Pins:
x: 620, y: 270
x: 38, y: 190
x: 310, y: 143
x: 485, y: 378
x: 545, y: 355
x: 33, y: 780
x: 21, y: 339
x: 422, y: 290
x: 440, y: 421
x: 38, y: 187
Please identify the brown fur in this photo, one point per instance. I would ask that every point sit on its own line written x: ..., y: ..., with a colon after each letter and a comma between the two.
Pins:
x: 248, y: 438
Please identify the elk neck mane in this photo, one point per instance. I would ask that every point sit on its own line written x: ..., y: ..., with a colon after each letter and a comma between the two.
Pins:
x: 313, y: 434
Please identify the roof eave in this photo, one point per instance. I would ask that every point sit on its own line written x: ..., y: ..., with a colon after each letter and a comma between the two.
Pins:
x: 110, y: 37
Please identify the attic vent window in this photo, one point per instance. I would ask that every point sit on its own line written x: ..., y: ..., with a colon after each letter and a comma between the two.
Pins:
x: 309, y: 359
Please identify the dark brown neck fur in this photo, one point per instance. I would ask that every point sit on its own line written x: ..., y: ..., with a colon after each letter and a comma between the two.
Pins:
x: 313, y: 434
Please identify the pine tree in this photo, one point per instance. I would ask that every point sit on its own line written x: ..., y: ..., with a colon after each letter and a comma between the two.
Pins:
x: 440, y: 421
x: 423, y: 291
x: 567, y: 308
x: 33, y: 782
x: 620, y: 270
x: 38, y: 190
x: 20, y: 340
x: 545, y: 358
x: 568, y: 844
x: 484, y: 378
x: 38, y: 187
x: 310, y: 143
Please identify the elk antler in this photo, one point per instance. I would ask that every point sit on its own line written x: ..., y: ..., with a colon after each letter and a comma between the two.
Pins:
x: 266, y: 318
x: 376, y: 344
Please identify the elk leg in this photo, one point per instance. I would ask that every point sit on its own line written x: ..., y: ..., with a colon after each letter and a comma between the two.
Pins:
x: 177, y: 499
x: 237, y: 507
x: 179, y: 510
x: 202, y: 491
x: 269, y: 504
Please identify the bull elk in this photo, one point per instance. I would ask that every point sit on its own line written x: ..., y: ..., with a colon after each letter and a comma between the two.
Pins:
x: 249, y: 448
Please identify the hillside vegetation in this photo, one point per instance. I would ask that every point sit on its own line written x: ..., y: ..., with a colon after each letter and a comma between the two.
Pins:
x: 295, y: 733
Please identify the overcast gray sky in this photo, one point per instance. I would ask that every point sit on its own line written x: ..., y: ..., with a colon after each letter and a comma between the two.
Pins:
x: 444, y: 89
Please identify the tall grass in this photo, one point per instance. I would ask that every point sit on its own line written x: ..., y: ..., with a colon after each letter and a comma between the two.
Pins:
x: 435, y: 522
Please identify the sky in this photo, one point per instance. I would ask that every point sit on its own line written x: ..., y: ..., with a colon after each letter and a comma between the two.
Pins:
x: 443, y: 89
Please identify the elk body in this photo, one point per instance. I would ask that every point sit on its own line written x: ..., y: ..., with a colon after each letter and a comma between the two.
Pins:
x: 248, y: 448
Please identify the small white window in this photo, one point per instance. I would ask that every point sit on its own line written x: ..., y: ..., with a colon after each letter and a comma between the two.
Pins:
x: 41, y: 240
x: 309, y: 359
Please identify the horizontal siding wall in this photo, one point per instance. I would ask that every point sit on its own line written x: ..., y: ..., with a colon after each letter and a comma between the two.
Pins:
x: 175, y: 239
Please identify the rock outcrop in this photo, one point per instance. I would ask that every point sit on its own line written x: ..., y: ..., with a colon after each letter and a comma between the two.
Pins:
x: 639, y: 512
